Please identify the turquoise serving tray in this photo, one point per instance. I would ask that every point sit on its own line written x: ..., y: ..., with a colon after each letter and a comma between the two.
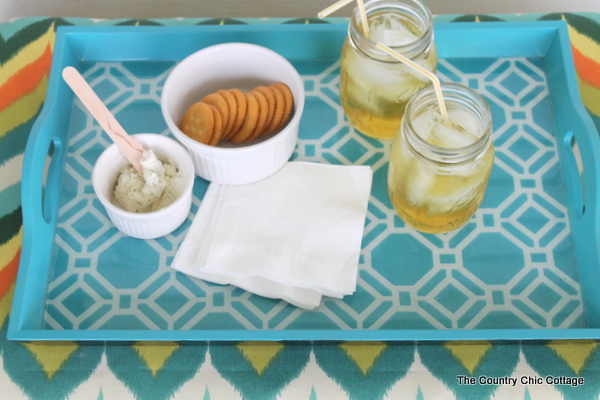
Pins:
x: 526, y: 266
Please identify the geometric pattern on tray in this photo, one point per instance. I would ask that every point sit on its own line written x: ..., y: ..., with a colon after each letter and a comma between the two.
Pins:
x: 511, y: 266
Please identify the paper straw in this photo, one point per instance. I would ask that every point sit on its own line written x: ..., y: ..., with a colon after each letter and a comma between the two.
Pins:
x: 431, y: 76
x: 342, y: 3
x: 333, y: 8
x: 363, y: 17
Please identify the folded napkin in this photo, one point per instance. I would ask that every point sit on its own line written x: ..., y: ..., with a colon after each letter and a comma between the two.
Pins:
x: 295, y: 236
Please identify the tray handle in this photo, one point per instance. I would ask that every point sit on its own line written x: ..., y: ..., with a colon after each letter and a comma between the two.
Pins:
x: 44, y: 159
x: 581, y: 154
x: 44, y: 172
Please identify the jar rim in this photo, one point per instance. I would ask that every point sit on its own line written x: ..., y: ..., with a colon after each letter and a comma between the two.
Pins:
x: 455, y: 96
x: 416, y: 9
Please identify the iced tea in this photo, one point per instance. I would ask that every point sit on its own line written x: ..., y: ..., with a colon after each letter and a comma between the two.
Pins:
x: 439, y: 168
x: 374, y: 88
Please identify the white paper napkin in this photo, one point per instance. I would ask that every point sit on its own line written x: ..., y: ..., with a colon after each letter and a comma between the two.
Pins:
x: 295, y: 235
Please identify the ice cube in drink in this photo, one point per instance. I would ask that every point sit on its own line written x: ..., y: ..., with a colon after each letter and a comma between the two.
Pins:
x: 392, y: 30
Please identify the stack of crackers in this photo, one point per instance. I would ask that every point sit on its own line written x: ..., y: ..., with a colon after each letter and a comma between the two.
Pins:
x: 239, y: 117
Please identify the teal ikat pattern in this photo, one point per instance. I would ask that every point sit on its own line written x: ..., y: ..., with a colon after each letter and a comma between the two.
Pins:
x: 297, y: 370
x: 511, y: 266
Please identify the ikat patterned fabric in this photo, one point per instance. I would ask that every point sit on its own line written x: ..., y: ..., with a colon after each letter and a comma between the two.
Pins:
x: 323, y: 370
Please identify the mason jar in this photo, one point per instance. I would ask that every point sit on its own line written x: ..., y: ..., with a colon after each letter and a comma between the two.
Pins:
x: 375, y: 87
x: 439, y: 168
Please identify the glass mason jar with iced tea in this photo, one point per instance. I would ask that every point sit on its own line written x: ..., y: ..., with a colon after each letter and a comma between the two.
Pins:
x: 439, y: 169
x: 374, y: 87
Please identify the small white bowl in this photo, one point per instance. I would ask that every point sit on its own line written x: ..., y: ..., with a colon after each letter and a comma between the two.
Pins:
x: 225, y: 66
x: 153, y: 224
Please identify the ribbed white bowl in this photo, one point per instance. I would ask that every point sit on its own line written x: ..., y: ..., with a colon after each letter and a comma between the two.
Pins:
x: 226, y: 66
x: 152, y: 224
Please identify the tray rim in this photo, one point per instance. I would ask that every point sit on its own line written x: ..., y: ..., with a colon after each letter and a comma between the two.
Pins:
x: 62, y: 57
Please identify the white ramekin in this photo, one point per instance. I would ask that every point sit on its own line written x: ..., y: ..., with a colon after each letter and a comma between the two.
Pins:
x: 152, y: 224
x: 226, y: 66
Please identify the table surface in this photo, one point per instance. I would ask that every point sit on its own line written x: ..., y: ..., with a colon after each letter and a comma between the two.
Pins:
x: 261, y: 370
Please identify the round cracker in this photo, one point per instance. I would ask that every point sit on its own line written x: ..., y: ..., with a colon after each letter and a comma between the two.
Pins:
x: 232, y: 107
x: 220, y: 103
x: 270, y: 96
x: 198, y: 122
x: 250, y: 120
x: 289, y: 102
x: 240, y: 116
x: 218, y: 130
x: 278, y: 110
x: 263, y: 115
